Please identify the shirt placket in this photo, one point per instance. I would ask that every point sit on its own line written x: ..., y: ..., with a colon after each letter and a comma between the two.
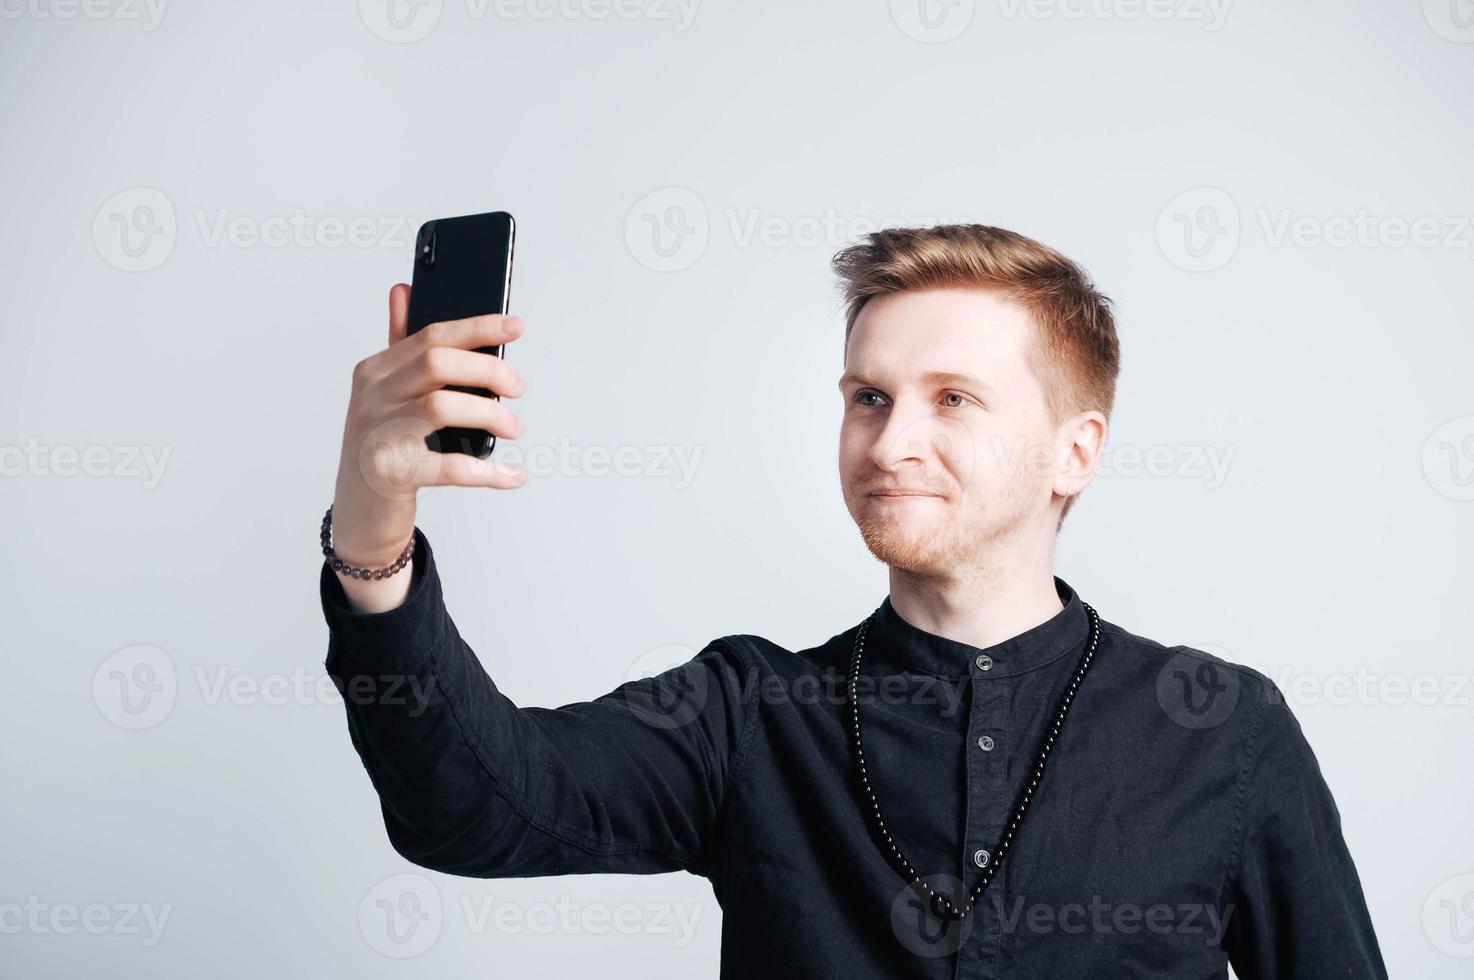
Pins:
x: 989, y: 747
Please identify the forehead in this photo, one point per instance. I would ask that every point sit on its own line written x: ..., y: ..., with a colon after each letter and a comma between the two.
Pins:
x: 900, y: 336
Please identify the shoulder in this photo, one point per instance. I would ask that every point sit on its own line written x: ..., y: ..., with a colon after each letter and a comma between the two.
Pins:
x: 1192, y: 706
x: 765, y: 656
x: 1196, y: 687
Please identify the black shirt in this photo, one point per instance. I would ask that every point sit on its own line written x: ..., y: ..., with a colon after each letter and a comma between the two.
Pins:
x: 1182, y: 823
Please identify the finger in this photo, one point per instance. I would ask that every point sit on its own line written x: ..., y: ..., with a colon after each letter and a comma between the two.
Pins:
x: 398, y: 313
x: 472, y: 332
x: 436, y: 367
x: 460, y: 470
x: 442, y: 408
x: 395, y: 460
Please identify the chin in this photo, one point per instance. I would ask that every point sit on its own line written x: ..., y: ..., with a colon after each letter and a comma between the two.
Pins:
x: 912, y: 545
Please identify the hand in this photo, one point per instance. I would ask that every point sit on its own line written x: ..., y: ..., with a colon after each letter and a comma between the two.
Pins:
x: 398, y: 399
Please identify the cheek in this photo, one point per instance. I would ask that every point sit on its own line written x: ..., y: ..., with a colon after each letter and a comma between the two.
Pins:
x: 854, y: 444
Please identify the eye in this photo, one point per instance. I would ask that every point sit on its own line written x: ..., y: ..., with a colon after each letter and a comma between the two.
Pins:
x: 961, y: 400
x: 864, y: 393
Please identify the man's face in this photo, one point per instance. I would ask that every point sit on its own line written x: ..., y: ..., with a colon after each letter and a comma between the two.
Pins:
x: 938, y: 469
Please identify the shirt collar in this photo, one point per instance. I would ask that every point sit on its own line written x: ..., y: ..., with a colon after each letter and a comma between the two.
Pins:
x: 913, y: 647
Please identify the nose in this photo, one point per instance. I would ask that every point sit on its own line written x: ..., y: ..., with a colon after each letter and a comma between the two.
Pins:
x: 904, y: 439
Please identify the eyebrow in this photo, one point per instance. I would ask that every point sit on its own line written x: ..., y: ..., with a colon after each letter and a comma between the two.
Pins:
x: 935, y: 377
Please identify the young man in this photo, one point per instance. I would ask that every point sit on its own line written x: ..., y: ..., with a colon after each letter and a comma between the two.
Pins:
x: 983, y: 779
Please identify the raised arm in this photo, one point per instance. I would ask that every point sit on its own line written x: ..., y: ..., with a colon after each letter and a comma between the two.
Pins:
x: 471, y: 784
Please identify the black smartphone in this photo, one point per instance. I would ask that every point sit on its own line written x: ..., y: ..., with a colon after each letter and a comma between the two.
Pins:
x: 463, y: 268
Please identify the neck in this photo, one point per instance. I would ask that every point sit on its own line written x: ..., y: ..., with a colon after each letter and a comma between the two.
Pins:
x: 984, y: 604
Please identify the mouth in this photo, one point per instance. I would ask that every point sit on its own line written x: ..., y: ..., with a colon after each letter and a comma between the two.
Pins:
x: 902, y: 494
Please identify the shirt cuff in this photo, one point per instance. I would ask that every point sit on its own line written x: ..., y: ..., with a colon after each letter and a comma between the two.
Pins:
x: 401, y: 638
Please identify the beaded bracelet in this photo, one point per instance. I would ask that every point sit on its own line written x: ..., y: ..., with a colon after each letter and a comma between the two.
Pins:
x: 343, y: 568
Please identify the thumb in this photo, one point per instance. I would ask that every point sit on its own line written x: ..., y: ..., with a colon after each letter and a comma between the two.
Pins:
x: 398, y: 313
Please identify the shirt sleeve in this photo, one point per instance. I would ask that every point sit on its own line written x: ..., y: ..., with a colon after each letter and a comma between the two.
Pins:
x: 1295, y: 905
x: 471, y: 784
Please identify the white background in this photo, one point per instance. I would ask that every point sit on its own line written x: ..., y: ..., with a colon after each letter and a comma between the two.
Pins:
x: 1205, y: 165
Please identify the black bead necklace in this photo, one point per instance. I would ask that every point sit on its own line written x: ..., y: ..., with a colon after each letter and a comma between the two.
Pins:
x: 941, y: 904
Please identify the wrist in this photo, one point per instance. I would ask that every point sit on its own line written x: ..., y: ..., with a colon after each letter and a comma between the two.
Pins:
x: 363, y: 563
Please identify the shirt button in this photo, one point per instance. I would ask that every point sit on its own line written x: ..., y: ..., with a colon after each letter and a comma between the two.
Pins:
x: 984, y: 662
x: 986, y: 743
x: 980, y: 858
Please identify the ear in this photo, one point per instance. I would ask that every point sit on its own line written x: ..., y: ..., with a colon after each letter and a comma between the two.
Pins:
x: 1080, y: 443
